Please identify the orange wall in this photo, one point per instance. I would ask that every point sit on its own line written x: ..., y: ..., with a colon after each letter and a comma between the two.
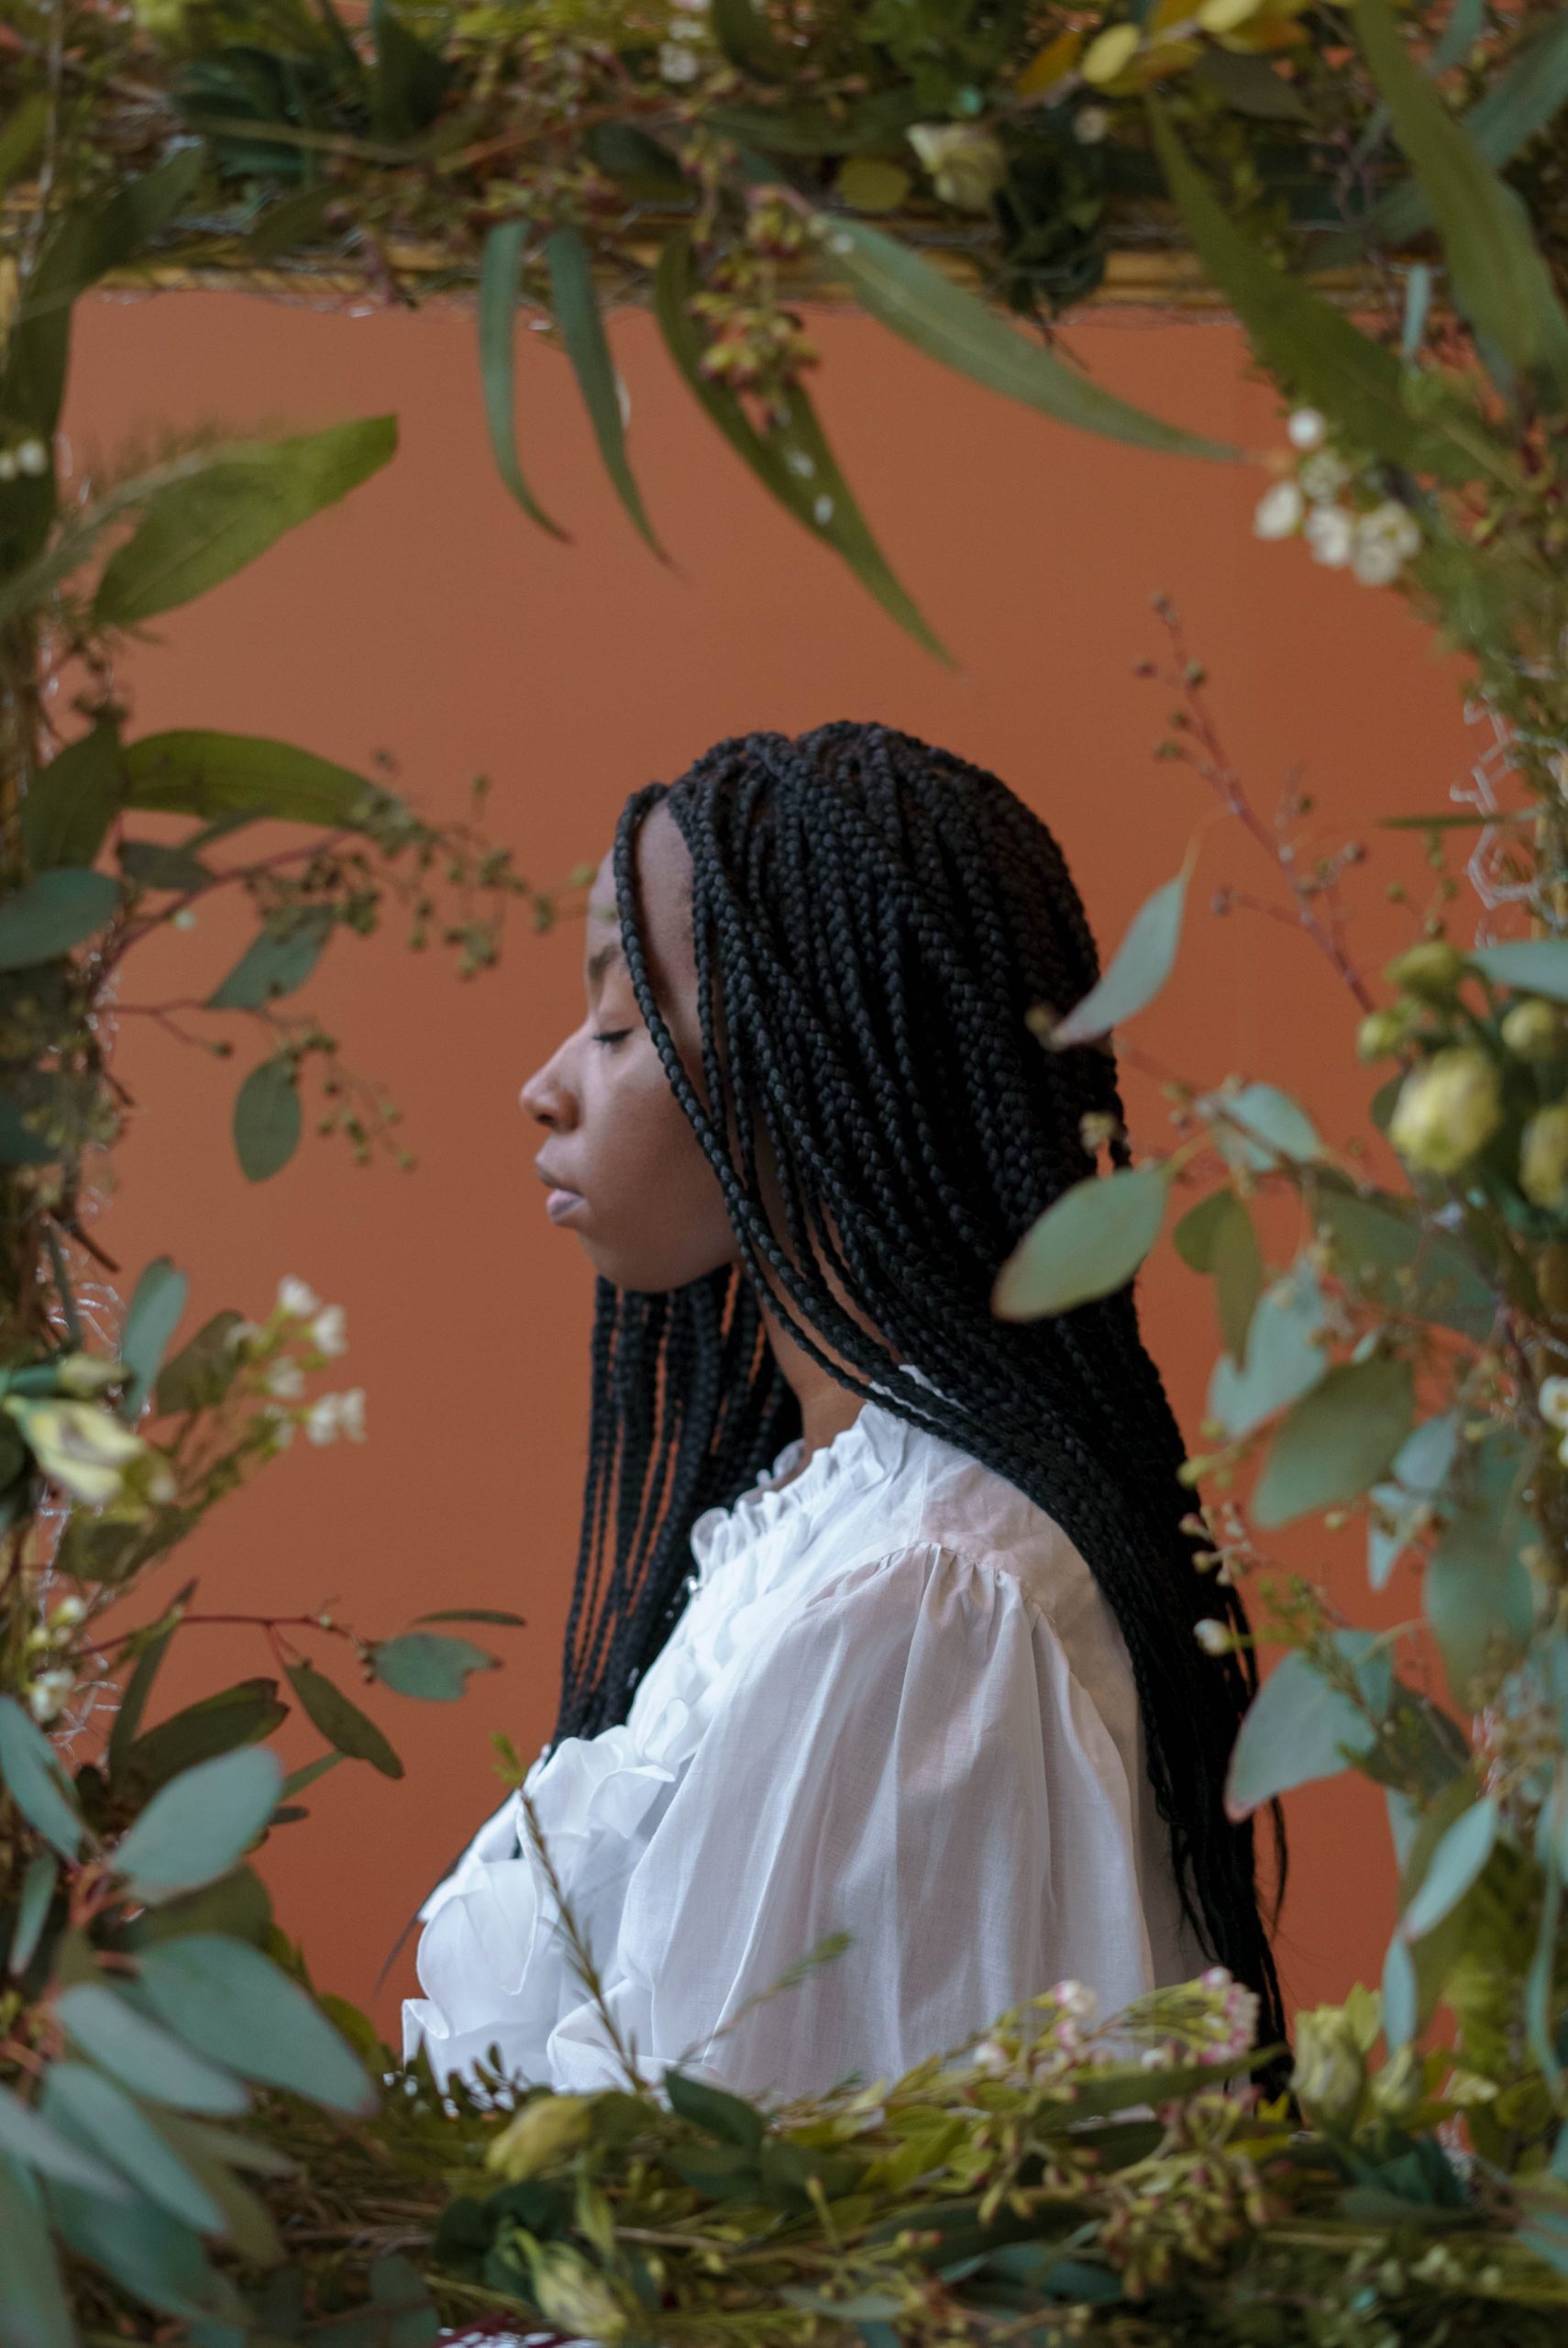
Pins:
x: 425, y: 618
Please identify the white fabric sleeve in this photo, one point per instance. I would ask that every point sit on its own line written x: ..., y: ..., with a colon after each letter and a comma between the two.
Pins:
x: 912, y: 1761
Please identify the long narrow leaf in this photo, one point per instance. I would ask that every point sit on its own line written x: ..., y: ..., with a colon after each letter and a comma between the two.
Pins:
x: 1499, y: 278
x: 793, y: 461
x: 1322, y: 357
x: 914, y: 300
x: 588, y: 348
x: 499, y: 273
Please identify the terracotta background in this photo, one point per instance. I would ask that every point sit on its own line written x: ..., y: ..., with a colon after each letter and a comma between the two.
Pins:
x: 425, y: 618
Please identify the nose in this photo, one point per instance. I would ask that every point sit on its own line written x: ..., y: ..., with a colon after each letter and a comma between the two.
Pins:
x: 548, y: 1099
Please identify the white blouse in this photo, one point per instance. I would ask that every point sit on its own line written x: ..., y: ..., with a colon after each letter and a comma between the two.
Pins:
x: 896, y: 1705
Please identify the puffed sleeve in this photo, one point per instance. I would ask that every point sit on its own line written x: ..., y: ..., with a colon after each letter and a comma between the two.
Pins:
x: 913, y: 1761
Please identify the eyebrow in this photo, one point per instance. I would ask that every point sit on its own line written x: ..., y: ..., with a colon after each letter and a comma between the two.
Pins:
x: 600, y: 962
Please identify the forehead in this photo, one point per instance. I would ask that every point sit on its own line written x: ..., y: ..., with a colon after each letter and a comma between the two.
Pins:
x: 663, y: 865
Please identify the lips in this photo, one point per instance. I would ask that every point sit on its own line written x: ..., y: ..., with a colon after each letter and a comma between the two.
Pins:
x: 561, y: 1200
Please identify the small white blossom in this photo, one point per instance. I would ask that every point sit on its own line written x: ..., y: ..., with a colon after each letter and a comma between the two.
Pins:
x: 1306, y: 429
x: 32, y: 458
x: 1323, y: 476
x: 297, y: 1300
x: 1330, y: 531
x: 47, y: 1695
x: 351, y: 1413
x: 284, y: 1379
x: 1384, y: 540
x: 321, y: 1420
x: 335, y: 1415
x: 991, y: 2056
x: 329, y: 1331
x: 1213, y: 1637
x: 240, y: 1335
x: 67, y: 1613
x: 1278, y: 512
x: 1553, y: 1401
x: 182, y: 917
x: 678, y: 64
x: 1075, y: 1999
x: 1090, y: 125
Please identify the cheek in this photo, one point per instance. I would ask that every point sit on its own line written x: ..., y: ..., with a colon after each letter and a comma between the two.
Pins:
x: 658, y: 1205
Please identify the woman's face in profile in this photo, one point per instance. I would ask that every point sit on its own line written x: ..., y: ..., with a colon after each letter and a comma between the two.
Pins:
x: 625, y: 1172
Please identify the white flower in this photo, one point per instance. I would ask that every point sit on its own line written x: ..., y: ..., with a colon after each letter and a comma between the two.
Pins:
x: 1278, y: 512
x: 32, y: 458
x: 240, y: 1335
x: 1306, y: 429
x: 47, y: 1695
x: 329, y: 1331
x: 182, y: 917
x: 1323, y: 476
x: 1075, y: 1999
x: 1090, y: 125
x: 297, y: 1300
x: 67, y: 1613
x: 678, y: 64
x: 1212, y: 1636
x: 991, y: 2056
x: 1330, y: 531
x: 80, y: 1447
x: 964, y: 162
x: 321, y: 1420
x: 351, y: 1413
x: 284, y: 1379
x: 335, y: 1415
x: 1384, y: 540
x: 1553, y: 1401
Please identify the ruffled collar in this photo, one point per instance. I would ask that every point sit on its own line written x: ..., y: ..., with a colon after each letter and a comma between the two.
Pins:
x: 872, y: 1448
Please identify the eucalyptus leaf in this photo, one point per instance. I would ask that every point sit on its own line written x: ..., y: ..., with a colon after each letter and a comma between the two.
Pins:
x: 424, y: 1664
x: 152, y: 865
x: 199, y: 531
x: 576, y: 302
x: 1313, y: 348
x: 1088, y: 1242
x: 1139, y: 970
x: 71, y: 801
x: 500, y: 269
x: 34, y: 2141
x: 1529, y: 964
x: 39, y: 1884
x: 410, y: 80
x: 1300, y: 1726
x: 148, y: 1646
x: 57, y: 910
x: 89, y: 2109
x: 475, y: 1614
x: 1258, y: 1125
x: 242, y: 1714
x: 277, y: 962
x: 199, y: 1824
x: 1453, y: 1866
x: 714, y: 2112
x: 1195, y: 1236
x: 34, y: 2311
x: 234, y: 2005
x: 792, y: 460
x: 194, y: 772
x: 144, y: 2056
x: 1336, y: 1441
x: 268, y: 1118
x: 32, y: 1775
x: 154, y: 2256
x: 914, y: 300
x: 157, y: 1302
x: 1282, y: 1361
x: 1421, y: 1470
x: 1396, y: 1260
x: 1476, y: 1592
x: 343, y: 1724
x: 1501, y: 278
x: 202, y: 1372
x: 297, y: 1781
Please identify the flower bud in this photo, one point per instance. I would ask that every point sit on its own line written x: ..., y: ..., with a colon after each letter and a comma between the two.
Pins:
x: 1330, y: 2076
x: 580, y: 2301
x: 82, y: 1448
x: 966, y: 165
x: 1380, y: 1033
x: 1447, y: 1110
x: 548, y: 2128
x: 1400, y: 2088
x: 84, y: 1375
x: 1431, y: 969
x: 1543, y: 1156
x: 1533, y: 1030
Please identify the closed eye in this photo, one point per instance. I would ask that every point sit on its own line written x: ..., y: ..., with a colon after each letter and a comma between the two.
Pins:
x: 611, y: 1035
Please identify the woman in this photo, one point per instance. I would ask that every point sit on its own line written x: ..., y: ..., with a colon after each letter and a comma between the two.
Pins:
x: 884, y: 1614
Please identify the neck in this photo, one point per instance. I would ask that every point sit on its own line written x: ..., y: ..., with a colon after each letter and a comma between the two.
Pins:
x: 826, y: 1407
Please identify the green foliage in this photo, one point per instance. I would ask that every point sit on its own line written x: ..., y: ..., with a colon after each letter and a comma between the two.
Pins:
x: 577, y: 312
x: 268, y: 1118
x: 1089, y: 1243
x: 1139, y: 968
x: 54, y: 912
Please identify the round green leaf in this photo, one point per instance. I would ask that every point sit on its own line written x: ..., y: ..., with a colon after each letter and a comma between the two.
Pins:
x: 1527, y: 964
x: 196, y: 1829
x: 1282, y: 1363
x: 143, y: 2055
x: 54, y: 912
x: 1088, y: 1242
x: 424, y: 1664
x: 267, y: 1119
x: 1337, y: 1441
x: 1139, y: 970
x: 1300, y: 1726
x: 156, y: 1305
x: 234, y: 2005
x: 276, y: 962
x: 26, y: 2136
x: 1259, y: 1125
x: 1452, y: 1868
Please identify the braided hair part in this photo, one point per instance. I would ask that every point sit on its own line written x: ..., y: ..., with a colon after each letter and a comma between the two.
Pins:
x: 871, y: 921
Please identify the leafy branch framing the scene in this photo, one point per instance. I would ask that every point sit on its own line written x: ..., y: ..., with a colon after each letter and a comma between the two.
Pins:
x: 176, y: 2152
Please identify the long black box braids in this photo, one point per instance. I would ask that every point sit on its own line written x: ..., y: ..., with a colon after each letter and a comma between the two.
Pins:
x: 872, y: 919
